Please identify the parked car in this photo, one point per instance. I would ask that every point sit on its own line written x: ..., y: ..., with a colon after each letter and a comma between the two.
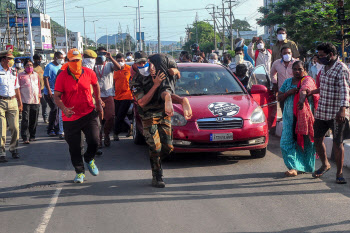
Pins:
x: 226, y: 116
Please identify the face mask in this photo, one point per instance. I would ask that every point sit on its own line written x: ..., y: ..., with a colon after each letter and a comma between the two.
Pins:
x: 89, y: 62
x: 281, y: 37
x: 325, y: 60
x: 18, y: 65
x: 212, y: 61
x: 239, y: 59
x: 75, y: 68
x: 287, y: 57
x: 103, y: 58
x: 129, y: 58
x: 260, y: 46
x: 122, y: 64
x: 239, y: 43
x: 144, y: 70
x: 11, y: 63
x: 29, y: 70
x: 60, y: 61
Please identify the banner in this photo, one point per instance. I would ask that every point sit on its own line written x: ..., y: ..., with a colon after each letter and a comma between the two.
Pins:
x: 21, y: 4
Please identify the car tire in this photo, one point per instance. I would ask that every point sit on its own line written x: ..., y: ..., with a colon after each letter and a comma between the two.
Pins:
x: 139, y: 139
x: 258, y: 153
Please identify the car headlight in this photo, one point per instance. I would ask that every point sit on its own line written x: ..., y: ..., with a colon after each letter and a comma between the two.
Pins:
x: 257, y: 116
x: 178, y: 120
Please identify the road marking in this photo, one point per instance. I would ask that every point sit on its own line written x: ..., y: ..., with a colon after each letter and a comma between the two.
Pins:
x: 48, y: 213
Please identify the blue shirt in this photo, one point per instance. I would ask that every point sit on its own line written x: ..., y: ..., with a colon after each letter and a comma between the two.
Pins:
x: 246, y: 55
x: 51, y: 72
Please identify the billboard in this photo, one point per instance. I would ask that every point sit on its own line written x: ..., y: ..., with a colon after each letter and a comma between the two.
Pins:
x: 21, y: 4
x: 34, y: 20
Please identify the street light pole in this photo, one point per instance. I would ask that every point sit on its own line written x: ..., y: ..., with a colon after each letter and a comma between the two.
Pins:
x: 159, y: 51
x: 84, y: 25
x: 30, y: 32
x: 65, y: 24
x: 140, y: 25
x: 95, y: 32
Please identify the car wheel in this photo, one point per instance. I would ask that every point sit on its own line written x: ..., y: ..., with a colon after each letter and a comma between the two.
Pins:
x: 258, y: 153
x: 137, y: 136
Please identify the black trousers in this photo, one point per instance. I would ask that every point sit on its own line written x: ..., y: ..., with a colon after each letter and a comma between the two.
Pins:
x: 29, y: 120
x: 53, y: 116
x: 43, y: 106
x: 121, y: 110
x: 72, y: 132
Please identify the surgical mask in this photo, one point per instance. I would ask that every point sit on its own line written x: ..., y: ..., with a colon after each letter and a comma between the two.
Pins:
x: 122, y: 64
x: 239, y: 43
x: 60, y: 61
x: 239, y: 59
x: 212, y: 61
x: 29, y: 70
x: 129, y: 58
x: 144, y: 70
x: 89, y: 62
x: 103, y: 58
x: 287, y: 57
x: 325, y: 60
x: 11, y: 63
x: 18, y: 65
x: 260, y: 46
x: 281, y: 37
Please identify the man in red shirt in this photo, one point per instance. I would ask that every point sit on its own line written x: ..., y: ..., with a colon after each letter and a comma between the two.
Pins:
x: 123, y: 95
x: 73, y: 96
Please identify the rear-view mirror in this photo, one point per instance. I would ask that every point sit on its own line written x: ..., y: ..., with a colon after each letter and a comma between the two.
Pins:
x: 258, y: 89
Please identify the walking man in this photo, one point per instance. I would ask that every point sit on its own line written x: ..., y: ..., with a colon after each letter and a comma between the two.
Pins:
x: 333, y: 109
x: 73, y: 96
x: 10, y: 105
x: 50, y: 75
x: 104, y: 71
x: 123, y: 95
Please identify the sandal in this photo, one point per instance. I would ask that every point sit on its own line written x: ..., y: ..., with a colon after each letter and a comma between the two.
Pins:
x: 340, y: 180
x: 320, y: 172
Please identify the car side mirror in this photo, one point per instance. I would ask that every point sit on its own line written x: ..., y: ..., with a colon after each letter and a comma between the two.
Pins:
x: 258, y: 89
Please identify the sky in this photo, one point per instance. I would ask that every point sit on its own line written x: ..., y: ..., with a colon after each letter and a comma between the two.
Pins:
x: 174, y: 18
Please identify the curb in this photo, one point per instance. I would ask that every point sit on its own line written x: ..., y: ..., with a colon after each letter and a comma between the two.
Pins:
x: 328, y: 141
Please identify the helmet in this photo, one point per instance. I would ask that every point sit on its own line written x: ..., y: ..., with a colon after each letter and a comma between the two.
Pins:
x: 195, y: 47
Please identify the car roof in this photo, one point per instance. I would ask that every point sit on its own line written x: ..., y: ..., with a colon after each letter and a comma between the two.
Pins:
x: 199, y: 65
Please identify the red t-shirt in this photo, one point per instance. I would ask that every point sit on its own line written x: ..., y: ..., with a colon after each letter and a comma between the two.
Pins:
x: 76, y: 93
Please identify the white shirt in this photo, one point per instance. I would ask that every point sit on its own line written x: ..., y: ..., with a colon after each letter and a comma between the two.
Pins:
x: 264, y: 58
x: 8, y: 82
x: 105, y: 79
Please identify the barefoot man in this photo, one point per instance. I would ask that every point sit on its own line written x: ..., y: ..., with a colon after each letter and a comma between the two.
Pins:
x: 152, y: 92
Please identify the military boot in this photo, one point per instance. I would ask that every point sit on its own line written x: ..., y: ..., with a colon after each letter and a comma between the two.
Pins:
x: 157, y: 180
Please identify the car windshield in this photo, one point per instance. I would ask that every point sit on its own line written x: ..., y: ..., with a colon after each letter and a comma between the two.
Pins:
x: 212, y: 80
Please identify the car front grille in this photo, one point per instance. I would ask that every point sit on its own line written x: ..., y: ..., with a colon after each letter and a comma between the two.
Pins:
x: 220, y: 123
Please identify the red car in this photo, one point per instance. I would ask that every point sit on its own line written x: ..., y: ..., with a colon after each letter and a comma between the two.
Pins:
x: 226, y: 116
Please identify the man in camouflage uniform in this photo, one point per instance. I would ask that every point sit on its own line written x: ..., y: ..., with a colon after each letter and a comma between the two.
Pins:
x: 156, y: 124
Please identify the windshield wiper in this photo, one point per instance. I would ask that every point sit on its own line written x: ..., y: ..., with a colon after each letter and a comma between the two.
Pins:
x: 197, y: 94
x: 233, y: 92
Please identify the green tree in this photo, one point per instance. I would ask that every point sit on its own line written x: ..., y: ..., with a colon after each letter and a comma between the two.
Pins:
x: 308, y: 22
x: 205, y: 37
x: 241, y: 25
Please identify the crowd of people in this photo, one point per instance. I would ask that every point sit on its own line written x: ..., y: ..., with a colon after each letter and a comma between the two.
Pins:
x: 90, y: 94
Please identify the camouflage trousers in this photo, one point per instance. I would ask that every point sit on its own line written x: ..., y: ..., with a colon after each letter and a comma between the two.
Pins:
x: 158, y: 135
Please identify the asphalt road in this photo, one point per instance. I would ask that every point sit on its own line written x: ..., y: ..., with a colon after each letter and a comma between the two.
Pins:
x: 228, y: 192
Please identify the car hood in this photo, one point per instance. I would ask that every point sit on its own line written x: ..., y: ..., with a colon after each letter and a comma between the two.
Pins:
x: 220, y: 105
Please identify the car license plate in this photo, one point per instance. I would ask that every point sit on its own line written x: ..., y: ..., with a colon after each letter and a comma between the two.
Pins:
x: 221, y: 137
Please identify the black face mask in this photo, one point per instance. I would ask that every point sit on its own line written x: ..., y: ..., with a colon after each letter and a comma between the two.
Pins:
x: 325, y: 60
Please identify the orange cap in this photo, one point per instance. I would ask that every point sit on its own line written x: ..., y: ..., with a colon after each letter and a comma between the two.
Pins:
x: 74, y: 54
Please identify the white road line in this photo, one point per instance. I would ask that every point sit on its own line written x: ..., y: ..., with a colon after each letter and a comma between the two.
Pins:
x: 48, y: 213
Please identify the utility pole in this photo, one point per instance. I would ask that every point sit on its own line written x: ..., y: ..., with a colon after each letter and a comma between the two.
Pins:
x: 30, y: 32
x: 140, y: 34
x: 158, y: 21
x: 197, y: 27
x: 16, y: 30
x: 95, y: 32
x: 84, y: 25
x: 8, y: 26
x: 223, y: 27
x: 214, y: 19
x: 65, y: 25
x: 271, y: 27
x: 128, y: 36
x: 24, y: 36
x: 231, y: 32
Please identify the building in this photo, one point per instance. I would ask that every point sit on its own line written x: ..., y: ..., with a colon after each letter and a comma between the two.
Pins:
x: 75, y: 40
x: 41, y: 32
